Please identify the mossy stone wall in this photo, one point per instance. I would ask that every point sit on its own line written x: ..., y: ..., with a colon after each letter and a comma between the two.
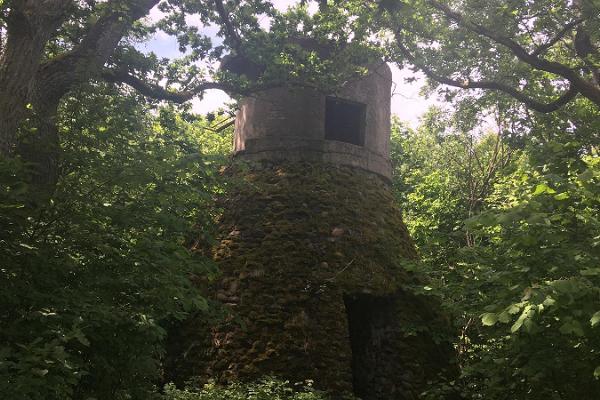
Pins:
x: 297, y: 240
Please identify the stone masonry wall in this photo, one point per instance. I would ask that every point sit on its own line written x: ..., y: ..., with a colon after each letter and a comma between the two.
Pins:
x: 298, y: 242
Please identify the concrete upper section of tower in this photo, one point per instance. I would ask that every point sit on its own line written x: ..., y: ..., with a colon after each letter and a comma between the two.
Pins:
x: 349, y: 127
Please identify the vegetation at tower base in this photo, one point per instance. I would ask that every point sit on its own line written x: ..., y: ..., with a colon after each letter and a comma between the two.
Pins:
x: 300, y: 246
x: 267, y: 388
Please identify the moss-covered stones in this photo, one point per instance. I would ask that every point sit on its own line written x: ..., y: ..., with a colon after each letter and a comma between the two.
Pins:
x: 298, y: 243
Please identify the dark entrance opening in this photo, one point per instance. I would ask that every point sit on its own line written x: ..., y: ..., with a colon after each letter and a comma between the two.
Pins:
x: 345, y: 121
x: 375, y: 355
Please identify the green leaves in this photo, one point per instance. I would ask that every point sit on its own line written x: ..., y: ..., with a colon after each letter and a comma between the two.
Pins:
x: 562, y: 196
x: 571, y: 327
x: 266, y: 389
x: 525, y: 320
x: 542, y: 188
x: 595, y: 319
x: 449, y: 41
x: 489, y: 319
x: 90, y: 280
x: 518, y: 267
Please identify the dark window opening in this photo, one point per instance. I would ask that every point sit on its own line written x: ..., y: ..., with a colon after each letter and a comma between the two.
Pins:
x: 373, y: 336
x: 345, y: 121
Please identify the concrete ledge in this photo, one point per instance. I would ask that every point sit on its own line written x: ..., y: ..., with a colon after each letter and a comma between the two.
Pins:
x: 294, y: 148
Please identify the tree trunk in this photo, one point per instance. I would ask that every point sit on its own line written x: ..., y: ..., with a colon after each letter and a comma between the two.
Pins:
x: 32, y: 89
x: 29, y: 26
x: 40, y: 148
x: 18, y: 66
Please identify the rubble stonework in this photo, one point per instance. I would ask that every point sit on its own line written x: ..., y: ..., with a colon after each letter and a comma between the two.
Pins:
x: 315, y: 261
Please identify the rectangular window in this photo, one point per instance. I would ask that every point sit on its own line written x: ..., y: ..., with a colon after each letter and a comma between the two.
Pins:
x: 345, y: 121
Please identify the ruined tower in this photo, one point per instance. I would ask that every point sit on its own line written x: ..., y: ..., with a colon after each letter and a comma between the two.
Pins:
x: 350, y: 128
x: 313, y: 253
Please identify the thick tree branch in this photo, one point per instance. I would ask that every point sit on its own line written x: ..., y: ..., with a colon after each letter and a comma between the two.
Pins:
x: 566, y: 29
x: 87, y: 59
x: 40, y: 16
x: 159, y: 93
x: 29, y: 26
x: 499, y: 86
x: 578, y: 83
x: 230, y: 31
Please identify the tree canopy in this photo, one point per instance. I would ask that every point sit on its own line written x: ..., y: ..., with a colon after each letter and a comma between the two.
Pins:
x: 108, y: 180
x: 543, y: 54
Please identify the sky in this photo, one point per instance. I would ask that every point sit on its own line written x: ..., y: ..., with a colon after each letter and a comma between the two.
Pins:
x: 407, y: 102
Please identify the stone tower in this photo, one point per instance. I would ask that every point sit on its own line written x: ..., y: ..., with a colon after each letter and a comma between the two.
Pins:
x: 349, y: 128
x: 313, y: 252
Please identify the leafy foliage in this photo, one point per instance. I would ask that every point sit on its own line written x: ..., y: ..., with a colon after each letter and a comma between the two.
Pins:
x: 539, y: 53
x: 542, y: 258
x: 267, y: 389
x: 89, y: 278
x: 517, y: 263
x: 506, y: 221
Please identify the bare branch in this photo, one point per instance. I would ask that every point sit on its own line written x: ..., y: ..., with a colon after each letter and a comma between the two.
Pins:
x: 221, y: 127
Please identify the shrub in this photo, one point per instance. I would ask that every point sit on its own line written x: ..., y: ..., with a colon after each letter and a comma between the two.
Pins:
x: 266, y: 389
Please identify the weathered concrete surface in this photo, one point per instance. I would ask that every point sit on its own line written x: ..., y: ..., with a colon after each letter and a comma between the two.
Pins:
x: 289, y: 124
